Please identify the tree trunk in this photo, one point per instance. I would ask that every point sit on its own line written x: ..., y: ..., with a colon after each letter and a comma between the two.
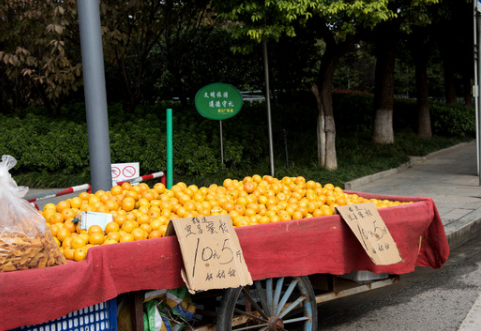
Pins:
x: 128, y: 98
x: 424, y: 117
x: 383, y: 132
x: 326, y: 126
x: 449, y: 80
x: 468, y: 91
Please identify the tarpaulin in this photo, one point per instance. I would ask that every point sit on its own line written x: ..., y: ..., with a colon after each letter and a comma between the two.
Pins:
x: 290, y: 248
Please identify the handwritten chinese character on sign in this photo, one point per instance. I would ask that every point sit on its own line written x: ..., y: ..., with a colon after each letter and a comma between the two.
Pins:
x: 371, y: 231
x: 211, y: 252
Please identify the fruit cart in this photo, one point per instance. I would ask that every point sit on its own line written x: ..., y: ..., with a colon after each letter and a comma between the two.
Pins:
x: 294, y: 264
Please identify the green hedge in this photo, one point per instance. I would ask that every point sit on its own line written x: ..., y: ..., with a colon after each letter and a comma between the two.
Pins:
x: 46, y: 145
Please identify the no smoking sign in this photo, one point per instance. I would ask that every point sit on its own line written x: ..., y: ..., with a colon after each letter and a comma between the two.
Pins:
x: 124, y: 171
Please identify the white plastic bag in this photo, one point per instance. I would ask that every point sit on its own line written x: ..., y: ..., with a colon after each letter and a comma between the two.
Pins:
x: 25, y: 240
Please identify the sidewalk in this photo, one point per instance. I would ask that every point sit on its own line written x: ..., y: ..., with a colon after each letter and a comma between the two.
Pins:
x: 450, y: 178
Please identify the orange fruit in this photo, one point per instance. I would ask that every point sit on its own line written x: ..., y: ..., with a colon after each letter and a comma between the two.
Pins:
x: 143, y: 219
x: 104, y: 197
x: 153, y: 213
x: 159, y: 187
x: 75, y: 202
x: 128, y: 226
x: 95, y: 229
x: 329, y: 187
x: 84, y: 195
x: 114, y: 235
x: 132, y: 194
x: 56, y: 218
x: 165, y: 204
x: 49, y: 206
x: 155, y: 223
x: 137, y: 189
x: 126, y: 237
x: 143, y: 187
x: 155, y: 203
x: 69, y: 225
x: 148, y: 194
x: 93, y: 200
x: 297, y: 215
x: 78, y: 242
x: 139, y: 234
x: 97, y: 238
x: 126, y: 186
x: 120, y: 219
x: 128, y: 204
x: 80, y: 254
x: 143, y: 210
x: 146, y: 227
x: 69, y: 253
x: 249, y: 186
x: 111, y: 227
x: 131, y: 216
x: 109, y: 241
x: 264, y: 220
x: 54, y: 228
x: 143, y: 202
x: 155, y: 234
x: 317, y: 213
x: 116, y: 190
x: 162, y: 229
x: 66, y: 243
x: 61, y: 205
x: 111, y: 205
x: 57, y: 241
x: 63, y: 233
x: 68, y: 213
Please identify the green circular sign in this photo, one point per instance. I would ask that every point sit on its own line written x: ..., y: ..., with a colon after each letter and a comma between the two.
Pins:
x: 218, y: 101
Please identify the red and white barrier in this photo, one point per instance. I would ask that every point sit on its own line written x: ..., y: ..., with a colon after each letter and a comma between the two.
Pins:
x: 53, y: 194
x: 88, y: 188
x: 146, y: 177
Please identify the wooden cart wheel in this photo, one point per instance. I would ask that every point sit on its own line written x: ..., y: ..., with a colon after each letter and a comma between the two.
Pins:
x: 273, y: 304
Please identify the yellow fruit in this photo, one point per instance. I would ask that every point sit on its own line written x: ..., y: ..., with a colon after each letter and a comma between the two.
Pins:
x: 80, y: 254
x: 97, y: 238
x: 110, y: 241
x: 78, y: 242
x: 49, y: 206
x: 95, y: 229
x: 126, y: 238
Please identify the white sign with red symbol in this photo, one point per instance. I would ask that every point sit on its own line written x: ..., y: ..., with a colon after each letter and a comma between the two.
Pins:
x: 124, y: 171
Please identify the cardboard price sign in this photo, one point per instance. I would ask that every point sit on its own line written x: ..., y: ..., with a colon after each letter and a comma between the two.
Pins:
x: 211, y: 252
x: 371, y: 231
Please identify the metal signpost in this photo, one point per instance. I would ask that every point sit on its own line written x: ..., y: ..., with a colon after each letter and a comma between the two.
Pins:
x: 476, y: 90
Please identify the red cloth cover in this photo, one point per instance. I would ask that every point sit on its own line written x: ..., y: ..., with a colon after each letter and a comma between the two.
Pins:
x: 291, y: 248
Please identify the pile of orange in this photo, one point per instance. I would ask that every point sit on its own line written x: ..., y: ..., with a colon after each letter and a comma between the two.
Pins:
x: 140, y: 212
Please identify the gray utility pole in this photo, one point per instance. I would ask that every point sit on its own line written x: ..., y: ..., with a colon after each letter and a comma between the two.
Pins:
x: 95, y: 94
x: 268, y: 102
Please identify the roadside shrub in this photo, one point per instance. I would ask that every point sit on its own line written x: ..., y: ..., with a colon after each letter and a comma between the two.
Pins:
x: 453, y: 120
x: 55, y: 151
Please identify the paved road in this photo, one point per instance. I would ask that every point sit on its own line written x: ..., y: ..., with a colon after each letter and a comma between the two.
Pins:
x: 427, y: 300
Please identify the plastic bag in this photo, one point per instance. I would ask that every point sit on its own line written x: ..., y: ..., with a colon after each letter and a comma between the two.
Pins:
x: 168, y: 310
x: 25, y: 240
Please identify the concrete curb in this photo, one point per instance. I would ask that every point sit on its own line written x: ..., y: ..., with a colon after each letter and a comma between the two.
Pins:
x: 463, y: 229
x: 356, y: 183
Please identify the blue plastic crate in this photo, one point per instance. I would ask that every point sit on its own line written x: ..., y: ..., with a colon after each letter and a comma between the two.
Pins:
x: 99, y: 317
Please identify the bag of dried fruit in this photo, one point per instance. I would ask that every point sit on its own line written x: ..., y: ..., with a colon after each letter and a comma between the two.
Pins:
x: 25, y: 240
